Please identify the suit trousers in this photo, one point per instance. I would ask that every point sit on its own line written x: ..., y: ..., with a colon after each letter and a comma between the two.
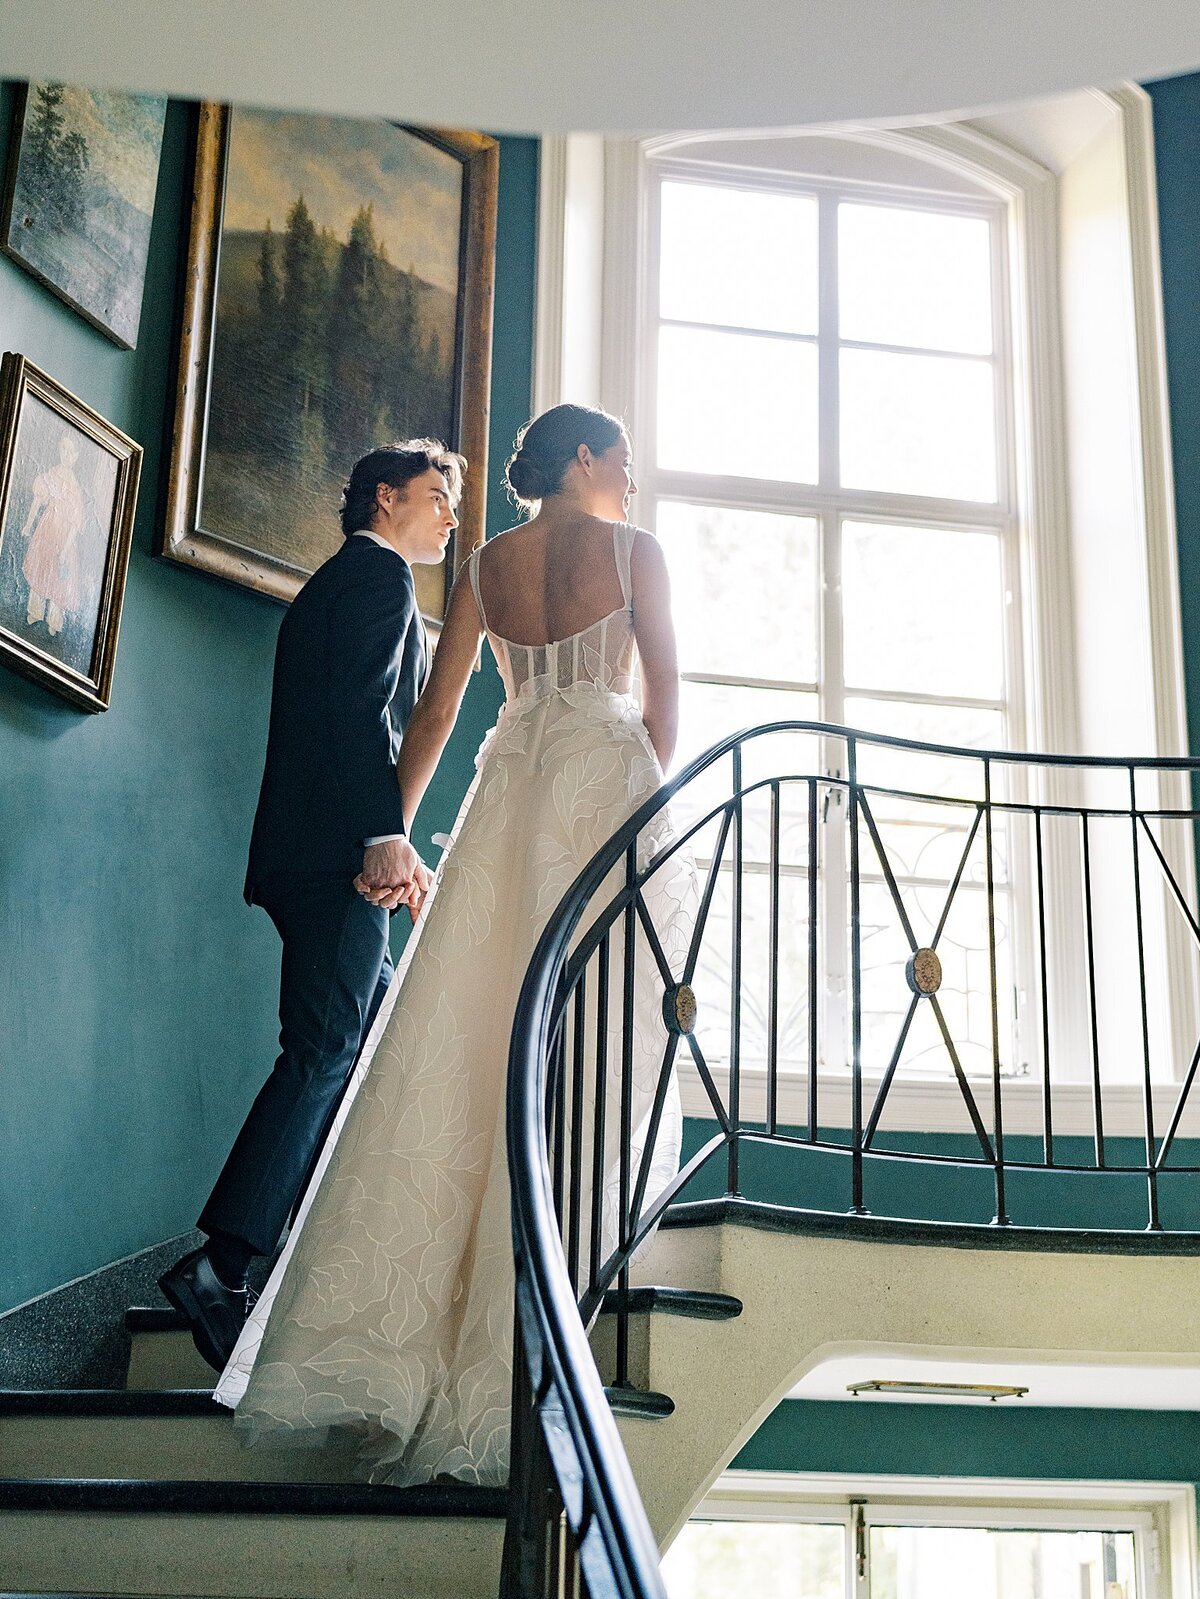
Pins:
x: 336, y: 970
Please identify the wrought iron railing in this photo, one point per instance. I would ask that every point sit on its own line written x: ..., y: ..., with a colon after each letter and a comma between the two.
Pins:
x: 803, y: 922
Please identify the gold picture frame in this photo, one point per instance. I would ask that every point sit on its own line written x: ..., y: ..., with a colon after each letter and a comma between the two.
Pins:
x: 228, y: 515
x: 68, y: 493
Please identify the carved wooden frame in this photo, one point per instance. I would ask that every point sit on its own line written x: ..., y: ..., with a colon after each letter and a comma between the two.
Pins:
x: 183, y: 537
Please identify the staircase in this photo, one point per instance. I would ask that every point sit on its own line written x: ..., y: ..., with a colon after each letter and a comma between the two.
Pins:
x: 825, y: 851
x: 818, y: 1289
x: 145, y: 1490
x: 643, y: 1363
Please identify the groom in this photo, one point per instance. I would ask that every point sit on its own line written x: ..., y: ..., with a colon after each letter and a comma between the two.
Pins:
x: 350, y: 662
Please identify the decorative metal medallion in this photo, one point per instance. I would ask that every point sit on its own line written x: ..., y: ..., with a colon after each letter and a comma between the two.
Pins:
x: 924, y: 971
x: 679, y: 1008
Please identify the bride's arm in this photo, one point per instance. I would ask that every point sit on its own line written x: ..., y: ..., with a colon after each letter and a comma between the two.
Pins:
x: 655, y: 633
x: 434, y: 714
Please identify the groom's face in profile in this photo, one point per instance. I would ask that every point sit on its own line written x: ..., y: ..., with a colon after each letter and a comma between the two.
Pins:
x: 418, y: 517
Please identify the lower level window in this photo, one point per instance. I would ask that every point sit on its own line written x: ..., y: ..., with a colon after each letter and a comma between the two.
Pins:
x: 1053, y: 1542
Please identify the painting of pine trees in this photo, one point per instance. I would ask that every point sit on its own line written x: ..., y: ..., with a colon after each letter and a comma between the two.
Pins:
x: 80, y: 198
x: 336, y: 319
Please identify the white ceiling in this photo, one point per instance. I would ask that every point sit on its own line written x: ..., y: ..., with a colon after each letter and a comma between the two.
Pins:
x: 644, y: 65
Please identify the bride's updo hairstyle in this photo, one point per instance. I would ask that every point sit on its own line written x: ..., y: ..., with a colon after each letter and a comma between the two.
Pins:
x: 547, y: 446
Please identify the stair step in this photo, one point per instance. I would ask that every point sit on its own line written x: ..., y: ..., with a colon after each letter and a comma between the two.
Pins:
x: 452, y: 1501
x: 155, y: 1318
x: 143, y: 1434
x: 249, y: 1540
x: 110, y: 1402
x: 161, y: 1351
x: 639, y: 1402
x: 695, y: 1302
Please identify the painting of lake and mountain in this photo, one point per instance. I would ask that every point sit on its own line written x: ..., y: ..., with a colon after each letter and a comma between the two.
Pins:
x: 336, y: 323
x: 80, y: 198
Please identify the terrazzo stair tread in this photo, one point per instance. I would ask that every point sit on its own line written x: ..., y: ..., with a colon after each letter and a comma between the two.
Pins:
x: 639, y: 1403
x: 245, y: 1540
x: 700, y: 1304
x: 161, y: 1351
x: 147, y: 1434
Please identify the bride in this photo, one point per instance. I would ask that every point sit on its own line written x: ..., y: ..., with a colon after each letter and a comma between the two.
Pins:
x: 390, y: 1311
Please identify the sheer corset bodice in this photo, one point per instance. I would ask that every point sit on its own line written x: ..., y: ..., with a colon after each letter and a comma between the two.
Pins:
x: 600, y: 656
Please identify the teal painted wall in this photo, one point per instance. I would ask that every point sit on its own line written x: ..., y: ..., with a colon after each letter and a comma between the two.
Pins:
x: 983, y: 1441
x: 137, y: 991
x: 815, y: 1179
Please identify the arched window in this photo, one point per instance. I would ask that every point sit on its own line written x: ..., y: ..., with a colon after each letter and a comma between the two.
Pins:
x: 874, y: 382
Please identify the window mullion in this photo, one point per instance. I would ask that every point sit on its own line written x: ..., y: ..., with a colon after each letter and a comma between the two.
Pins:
x: 830, y: 672
x: 859, y: 1549
x: 830, y: 668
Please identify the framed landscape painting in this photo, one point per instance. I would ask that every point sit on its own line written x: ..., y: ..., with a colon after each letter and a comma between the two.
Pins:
x: 339, y: 296
x: 68, y: 490
x: 79, y: 200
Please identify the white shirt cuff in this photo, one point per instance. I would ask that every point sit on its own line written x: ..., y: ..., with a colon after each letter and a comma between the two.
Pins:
x: 384, y: 838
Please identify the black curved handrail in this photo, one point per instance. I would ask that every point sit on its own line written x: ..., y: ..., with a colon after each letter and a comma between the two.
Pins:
x: 574, y: 1506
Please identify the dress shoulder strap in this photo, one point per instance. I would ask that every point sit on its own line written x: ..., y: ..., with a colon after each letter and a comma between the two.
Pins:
x: 624, y: 534
x: 473, y: 574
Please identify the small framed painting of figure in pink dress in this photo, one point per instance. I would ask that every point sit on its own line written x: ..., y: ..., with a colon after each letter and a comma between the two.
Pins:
x: 68, y: 490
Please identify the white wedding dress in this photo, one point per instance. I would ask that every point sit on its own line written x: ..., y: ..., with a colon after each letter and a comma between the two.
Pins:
x: 390, y: 1310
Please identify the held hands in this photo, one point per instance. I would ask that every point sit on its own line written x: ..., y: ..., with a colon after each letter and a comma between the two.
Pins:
x: 393, y: 874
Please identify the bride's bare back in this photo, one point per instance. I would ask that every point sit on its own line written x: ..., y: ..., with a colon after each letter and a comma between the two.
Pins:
x: 548, y: 580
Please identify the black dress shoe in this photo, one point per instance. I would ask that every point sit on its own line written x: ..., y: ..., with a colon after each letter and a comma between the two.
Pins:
x: 216, y: 1313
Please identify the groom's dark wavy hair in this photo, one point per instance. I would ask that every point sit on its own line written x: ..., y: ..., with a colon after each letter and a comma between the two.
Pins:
x: 396, y: 465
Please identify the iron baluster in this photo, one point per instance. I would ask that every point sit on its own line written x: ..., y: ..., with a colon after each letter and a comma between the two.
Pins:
x: 856, y: 1092
x: 813, y: 974
x: 1001, y: 1216
x: 735, y: 998
x: 558, y: 1130
x: 1047, y: 1096
x: 623, y: 1221
x: 773, y: 963
x: 1153, y: 1224
x: 1090, y: 938
x: 599, y: 1114
x: 579, y: 1071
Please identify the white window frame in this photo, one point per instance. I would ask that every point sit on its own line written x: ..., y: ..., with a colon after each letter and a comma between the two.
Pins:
x: 1162, y: 1516
x: 830, y: 505
x: 827, y: 505
x: 591, y: 284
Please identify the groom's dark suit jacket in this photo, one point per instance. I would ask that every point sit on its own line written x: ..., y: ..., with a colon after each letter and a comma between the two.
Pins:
x: 349, y: 665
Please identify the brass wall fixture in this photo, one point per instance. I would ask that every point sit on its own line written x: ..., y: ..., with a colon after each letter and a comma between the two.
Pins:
x: 943, y: 1390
